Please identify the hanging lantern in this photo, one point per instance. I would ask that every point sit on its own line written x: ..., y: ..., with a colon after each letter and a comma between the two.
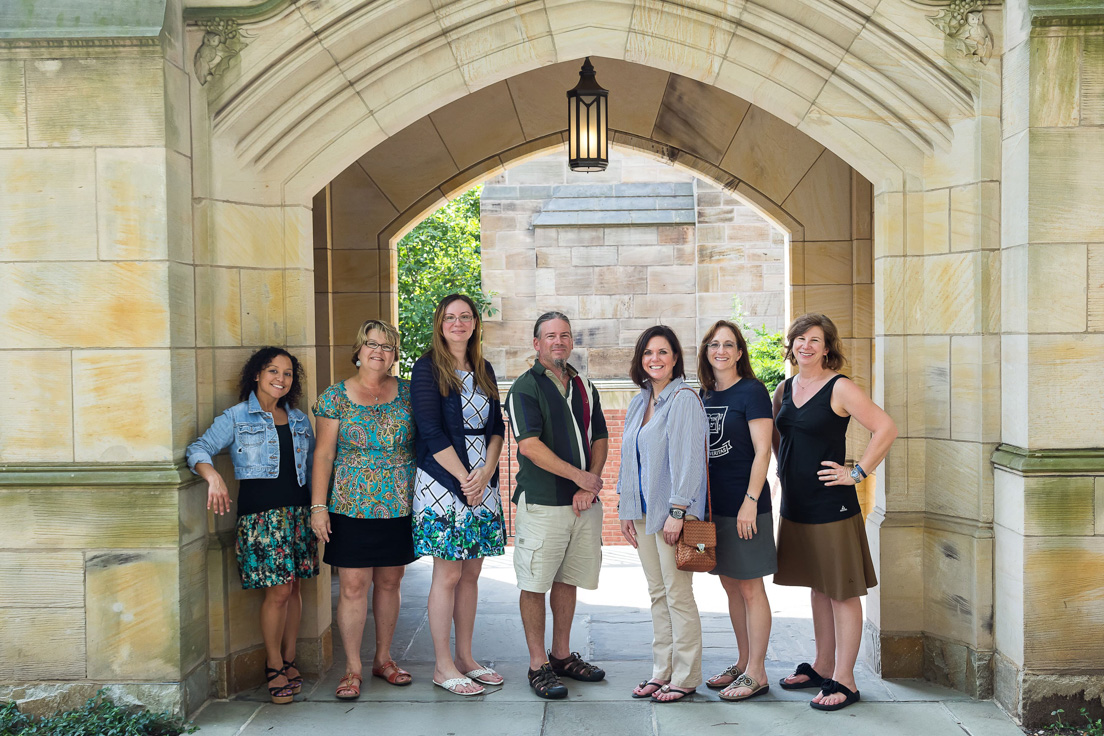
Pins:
x: 587, y: 123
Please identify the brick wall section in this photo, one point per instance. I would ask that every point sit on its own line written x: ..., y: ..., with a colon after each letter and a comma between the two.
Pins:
x: 611, y: 528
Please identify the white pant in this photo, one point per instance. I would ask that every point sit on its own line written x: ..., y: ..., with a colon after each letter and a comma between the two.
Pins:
x: 676, y: 625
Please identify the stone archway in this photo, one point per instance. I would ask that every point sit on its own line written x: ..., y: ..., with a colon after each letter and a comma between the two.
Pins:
x: 319, y: 86
x: 178, y: 221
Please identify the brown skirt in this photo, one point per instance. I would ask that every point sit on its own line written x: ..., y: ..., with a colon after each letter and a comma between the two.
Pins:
x: 832, y: 558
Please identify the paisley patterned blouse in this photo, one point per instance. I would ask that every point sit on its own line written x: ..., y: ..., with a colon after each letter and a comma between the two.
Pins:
x: 374, y: 467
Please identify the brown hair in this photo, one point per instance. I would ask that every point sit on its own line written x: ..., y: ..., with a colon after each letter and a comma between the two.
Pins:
x: 835, y: 358
x: 444, y: 365
x: 374, y: 324
x: 636, y: 370
x: 705, y: 369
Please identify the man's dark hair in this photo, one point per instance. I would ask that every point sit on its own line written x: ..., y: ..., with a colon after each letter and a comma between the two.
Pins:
x: 548, y: 317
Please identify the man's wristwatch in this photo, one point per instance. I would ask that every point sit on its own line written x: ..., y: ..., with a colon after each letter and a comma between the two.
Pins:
x: 677, y: 513
x: 858, y: 474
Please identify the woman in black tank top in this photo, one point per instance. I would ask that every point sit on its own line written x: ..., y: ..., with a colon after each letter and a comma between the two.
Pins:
x: 821, y: 540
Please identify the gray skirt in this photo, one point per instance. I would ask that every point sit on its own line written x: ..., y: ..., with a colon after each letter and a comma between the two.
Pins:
x: 745, y: 559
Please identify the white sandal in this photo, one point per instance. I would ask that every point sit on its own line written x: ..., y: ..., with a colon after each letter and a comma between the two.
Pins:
x: 456, y: 682
x: 480, y: 675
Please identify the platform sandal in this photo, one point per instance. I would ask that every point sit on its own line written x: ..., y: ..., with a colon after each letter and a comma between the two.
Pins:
x: 280, y: 694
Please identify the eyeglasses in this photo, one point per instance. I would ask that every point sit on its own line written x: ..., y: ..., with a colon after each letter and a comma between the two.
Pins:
x: 718, y: 345
x: 373, y: 345
x: 466, y: 318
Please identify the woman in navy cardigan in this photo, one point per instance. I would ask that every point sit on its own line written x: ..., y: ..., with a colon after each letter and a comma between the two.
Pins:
x: 457, y: 508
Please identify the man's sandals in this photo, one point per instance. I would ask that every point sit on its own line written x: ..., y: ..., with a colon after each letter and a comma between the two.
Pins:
x: 831, y: 686
x: 394, y: 674
x: 815, y: 678
x: 574, y: 667
x: 348, y: 688
x: 546, y: 684
x: 280, y: 694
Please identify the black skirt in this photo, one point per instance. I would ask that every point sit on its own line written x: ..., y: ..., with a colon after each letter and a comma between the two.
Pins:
x: 369, y: 542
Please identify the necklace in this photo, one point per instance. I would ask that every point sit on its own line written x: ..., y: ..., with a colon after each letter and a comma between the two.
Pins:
x: 803, y: 386
x: 375, y: 399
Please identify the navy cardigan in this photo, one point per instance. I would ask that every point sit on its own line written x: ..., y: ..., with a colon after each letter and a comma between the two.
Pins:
x: 440, y: 424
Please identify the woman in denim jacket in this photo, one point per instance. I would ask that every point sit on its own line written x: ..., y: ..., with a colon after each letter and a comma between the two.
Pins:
x: 271, y: 445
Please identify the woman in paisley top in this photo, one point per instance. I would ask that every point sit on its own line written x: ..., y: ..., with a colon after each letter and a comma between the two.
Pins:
x: 457, y: 509
x: 366, y: 440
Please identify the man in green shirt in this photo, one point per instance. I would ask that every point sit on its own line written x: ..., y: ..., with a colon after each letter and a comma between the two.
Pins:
x: 562, y: 441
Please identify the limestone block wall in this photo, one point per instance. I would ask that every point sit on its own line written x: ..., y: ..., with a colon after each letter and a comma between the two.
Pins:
x: 617, y: 252
x: 103, y: 551
x: 1049, y: 469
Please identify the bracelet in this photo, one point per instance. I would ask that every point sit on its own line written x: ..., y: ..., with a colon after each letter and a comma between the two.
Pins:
x: 317, y: 506
x: 753, y: 498
x: 859, y: 468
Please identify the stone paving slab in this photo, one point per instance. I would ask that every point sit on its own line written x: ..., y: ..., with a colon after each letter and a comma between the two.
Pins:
x: 612, y: 628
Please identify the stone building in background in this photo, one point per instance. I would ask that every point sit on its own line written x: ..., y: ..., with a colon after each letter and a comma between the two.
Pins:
x: 638, y: 244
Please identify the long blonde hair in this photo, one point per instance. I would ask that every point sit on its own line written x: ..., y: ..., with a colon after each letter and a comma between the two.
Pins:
x: 444, y: 365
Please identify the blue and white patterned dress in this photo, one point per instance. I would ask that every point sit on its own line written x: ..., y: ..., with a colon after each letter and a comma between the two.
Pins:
x: 444, y: 526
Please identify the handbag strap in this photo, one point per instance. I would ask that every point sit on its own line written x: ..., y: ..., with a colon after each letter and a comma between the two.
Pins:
x: 708, y: 489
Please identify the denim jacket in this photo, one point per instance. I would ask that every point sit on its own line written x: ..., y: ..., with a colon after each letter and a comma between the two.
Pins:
x: 250, y: 433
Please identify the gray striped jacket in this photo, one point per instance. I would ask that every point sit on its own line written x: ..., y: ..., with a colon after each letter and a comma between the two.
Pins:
x: 672, y: 467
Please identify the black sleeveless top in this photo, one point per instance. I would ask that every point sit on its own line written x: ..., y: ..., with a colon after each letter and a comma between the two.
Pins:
x: 810, y: 434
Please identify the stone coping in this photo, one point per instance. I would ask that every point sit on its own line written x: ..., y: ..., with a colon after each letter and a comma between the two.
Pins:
x: 1072, y: 461
x: 95, y: 474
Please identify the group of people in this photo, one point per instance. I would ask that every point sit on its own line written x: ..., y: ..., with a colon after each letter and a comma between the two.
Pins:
x: 397, y: 470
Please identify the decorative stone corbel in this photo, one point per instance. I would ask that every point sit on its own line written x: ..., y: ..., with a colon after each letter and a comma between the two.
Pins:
x: 222, y: 41
x: 963, y: 21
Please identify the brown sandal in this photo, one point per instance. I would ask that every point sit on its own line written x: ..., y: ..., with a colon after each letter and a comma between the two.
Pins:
x: 348, y: 688
x: 394, y: 674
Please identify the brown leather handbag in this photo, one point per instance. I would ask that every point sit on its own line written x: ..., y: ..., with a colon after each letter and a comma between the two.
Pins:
x: 696, y: 549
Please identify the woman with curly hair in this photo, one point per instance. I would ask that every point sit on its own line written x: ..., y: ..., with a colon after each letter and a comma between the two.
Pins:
x: 271, y: 445
x: 457, y: 509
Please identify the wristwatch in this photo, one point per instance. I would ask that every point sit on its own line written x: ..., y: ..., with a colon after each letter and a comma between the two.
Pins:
x: 677, y: 513
x: 857, y: 473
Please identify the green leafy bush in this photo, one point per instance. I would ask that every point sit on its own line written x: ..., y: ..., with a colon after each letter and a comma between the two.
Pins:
x: 440, y: 256
x: 98, y: 717
x: 765, y: 348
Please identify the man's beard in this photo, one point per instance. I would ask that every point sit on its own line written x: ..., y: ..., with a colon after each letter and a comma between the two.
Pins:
x: 560, y: 363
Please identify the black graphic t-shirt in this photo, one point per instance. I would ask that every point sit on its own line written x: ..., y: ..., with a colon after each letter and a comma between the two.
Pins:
x: 731, y: 452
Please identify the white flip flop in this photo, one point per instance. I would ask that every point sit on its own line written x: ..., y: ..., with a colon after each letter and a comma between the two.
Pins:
x: 479, y: 675
x: 455, y: 682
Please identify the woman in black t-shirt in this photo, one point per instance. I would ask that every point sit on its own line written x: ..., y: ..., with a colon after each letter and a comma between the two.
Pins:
x: 821, y: 540
x: 740, y: 430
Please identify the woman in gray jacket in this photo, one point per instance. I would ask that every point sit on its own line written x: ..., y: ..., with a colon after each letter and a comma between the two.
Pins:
x: 662, y: 479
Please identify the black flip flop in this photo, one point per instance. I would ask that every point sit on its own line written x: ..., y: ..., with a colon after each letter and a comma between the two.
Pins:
x: 682, y: 694
x: 831, y: 686
x: 815, y: 678
x: 645, y: 684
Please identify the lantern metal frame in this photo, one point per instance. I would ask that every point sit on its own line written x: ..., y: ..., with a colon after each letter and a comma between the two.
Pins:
x: 588, y: 123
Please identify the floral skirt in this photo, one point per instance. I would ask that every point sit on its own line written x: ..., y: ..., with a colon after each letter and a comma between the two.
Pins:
x: 276, y: 547
x: 447, y: 528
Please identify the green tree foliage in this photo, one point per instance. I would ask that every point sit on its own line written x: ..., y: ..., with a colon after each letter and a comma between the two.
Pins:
x: 437, y: 258
x: 764, y: 348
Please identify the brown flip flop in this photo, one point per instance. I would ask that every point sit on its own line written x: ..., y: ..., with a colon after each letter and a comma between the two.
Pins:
x: 394, y: 674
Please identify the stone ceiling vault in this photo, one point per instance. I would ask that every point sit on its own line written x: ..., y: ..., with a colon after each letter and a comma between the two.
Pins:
x: 319, y: 83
